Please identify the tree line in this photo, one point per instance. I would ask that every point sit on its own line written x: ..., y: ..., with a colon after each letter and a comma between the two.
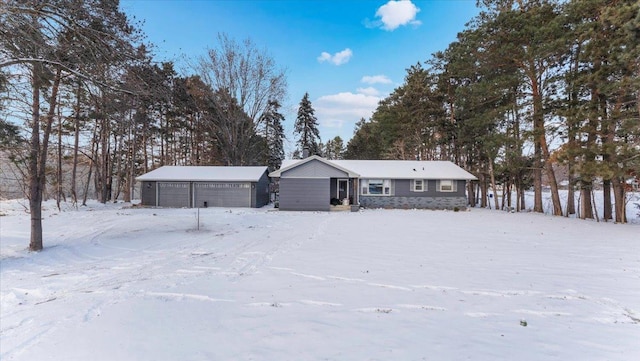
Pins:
x: 528, y: 88
x: 528, y: 85
x: 80, y: 89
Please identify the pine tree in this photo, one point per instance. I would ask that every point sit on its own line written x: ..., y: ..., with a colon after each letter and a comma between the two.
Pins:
x: 605, y: 87
x: 334, y: 149
x: 306, y: 127
x: 366, y: 141
x: 274, y: 135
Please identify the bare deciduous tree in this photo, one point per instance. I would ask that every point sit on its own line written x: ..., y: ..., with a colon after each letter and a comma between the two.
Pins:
x: 248, y: 73
x: 46, y: 41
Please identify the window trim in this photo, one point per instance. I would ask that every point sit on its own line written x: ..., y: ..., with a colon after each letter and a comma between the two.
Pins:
x: 379, y: 182
x: 423, y: 185
x: 454, y: 186
x: 387, y: 187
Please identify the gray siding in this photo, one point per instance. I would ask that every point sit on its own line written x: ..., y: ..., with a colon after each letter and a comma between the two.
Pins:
x: 148, y: 194
x: 403, y: 189
x: 314, y: 169
x: 222, y: 194
x: 174, y: 194
x: 299, y: 194
x: 260, y: 192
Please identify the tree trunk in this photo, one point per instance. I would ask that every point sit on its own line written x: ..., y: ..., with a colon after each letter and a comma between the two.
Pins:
x: 471, y: 196
x: 145, y: 151
x: 607, y: 138
x: 538, y: 129
x: 571, y: 196
x: 76, y: 143
x: 117, y: 159
x: 483, y: 192
x: 620, y: 200
x: 571, y: 130
x: 493, y: 185
x: 130, y: 160
x: 586, y: 209
x: 103, y: 167
x: 38, y: 154
x: 163, y: 132
x: 606, y: 194
x: 523, y: 203
x: 92, y: 164
x: 35, y: 190
x: 539, y: 136
x: 553, y: 183
x: 543, y: 157
x: 508, y: 195
x: 59, y: 190
x: 505, y: 188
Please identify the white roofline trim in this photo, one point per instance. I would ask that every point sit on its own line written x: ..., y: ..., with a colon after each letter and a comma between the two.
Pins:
x: 278, y: 173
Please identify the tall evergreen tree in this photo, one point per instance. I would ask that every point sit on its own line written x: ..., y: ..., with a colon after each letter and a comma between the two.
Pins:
x: 334, y: 149
x: 306, y: 127
x: 365, y: 143
x: 603, y: 113
x: 528, y: 33
x: 273, y: 134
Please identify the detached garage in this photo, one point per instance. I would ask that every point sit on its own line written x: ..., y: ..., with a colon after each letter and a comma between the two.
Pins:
x: 201, y: 187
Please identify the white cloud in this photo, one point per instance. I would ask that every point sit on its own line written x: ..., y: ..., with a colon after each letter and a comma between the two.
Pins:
x: 324, y: 57
x: 398, y: 13
x: 369, y: 91
x: 376, y: 79
x: 338, y: 110
x: 339, y: 58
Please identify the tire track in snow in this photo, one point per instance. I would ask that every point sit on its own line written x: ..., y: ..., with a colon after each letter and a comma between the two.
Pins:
x: 248, y: 261
x: 185, y: 296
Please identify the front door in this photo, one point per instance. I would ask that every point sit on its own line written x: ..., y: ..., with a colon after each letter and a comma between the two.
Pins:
x: 343, y: 189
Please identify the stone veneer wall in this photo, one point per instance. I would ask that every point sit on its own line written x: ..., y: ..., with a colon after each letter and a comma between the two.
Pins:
x: 414, y: 202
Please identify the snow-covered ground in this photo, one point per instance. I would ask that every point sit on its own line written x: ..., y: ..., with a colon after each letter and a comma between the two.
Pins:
x: 122, y: 283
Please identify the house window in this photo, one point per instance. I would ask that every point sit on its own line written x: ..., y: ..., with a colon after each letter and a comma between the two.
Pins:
x: 418, y: 185
x: 377, y: 187
x: 447, y: 185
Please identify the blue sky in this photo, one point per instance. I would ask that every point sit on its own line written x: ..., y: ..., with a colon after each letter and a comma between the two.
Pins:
x: 346, y: 54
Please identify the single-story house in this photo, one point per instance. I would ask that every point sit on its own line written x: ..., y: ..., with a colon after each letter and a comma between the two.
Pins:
x: 205, y: 186
x: 313, y: 183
